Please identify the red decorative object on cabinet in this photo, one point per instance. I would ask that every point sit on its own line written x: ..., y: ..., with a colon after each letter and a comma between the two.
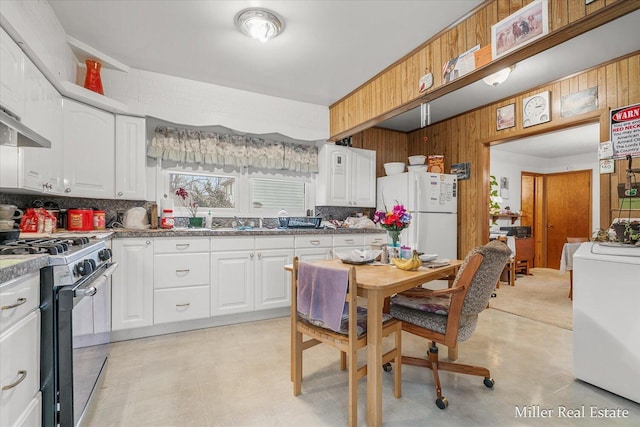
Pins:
x: 93, y: 81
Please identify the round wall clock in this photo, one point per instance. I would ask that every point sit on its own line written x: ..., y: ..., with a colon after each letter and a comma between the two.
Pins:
x: 536, y: 109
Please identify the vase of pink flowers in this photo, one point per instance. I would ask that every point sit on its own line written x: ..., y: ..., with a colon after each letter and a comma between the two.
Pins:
x: 394, y: 221
x: 192, y: 207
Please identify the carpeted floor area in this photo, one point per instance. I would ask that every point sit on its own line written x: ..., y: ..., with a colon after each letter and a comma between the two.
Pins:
x: 542, y: 296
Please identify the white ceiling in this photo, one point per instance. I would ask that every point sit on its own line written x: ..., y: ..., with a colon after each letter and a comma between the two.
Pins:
x: 328, y: 47
x: 552, y: 145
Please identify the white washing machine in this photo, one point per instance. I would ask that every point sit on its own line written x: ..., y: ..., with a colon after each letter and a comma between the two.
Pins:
x: 606, y: 323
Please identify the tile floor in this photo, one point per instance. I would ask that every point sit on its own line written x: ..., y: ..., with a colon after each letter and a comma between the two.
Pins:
x: 239, y: 376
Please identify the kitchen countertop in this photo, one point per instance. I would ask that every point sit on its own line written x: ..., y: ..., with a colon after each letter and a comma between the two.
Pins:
x: 12, y: 266
x: 192, y: 232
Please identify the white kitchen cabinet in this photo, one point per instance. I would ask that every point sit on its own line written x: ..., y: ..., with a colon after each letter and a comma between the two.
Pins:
x: 249, y: 274
x: 19, y: 368
x: 18, y: 298
x: 272, y: 281
x: 375, y: 239
x: 232, y: 282
x: 130, y: 172
x: 89, y: 151
x: 11, y: 75
x: 40, y: 169
x: 313, y: 247
x: 132, y: 284
x: 181, y: 279
x: 347, y: 177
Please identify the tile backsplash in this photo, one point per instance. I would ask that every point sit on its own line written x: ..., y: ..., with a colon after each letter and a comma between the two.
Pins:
x: 114, y: 207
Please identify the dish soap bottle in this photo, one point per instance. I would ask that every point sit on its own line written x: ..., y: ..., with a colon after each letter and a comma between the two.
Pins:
x: 208, y: 221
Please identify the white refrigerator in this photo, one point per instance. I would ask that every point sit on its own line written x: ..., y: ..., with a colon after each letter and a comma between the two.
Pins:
x: 432, y: 201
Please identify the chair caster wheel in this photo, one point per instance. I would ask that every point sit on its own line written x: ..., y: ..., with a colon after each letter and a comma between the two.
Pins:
x: 387, y: 367
x: 489, y: 382
x: 442, y: 402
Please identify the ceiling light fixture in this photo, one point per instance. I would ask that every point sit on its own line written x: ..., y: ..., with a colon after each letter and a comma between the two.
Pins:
x: 497, y: 78
x: 259, y: 23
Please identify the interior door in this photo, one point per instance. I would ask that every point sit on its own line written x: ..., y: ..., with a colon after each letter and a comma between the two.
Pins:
x: 568, y: 211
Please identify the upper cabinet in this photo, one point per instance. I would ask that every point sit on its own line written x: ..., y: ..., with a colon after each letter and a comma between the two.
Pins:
x: 40, y: 170
x: 130, y: 173
x: 11, y: 75
x: 89, y: 151
x: 347, y: 177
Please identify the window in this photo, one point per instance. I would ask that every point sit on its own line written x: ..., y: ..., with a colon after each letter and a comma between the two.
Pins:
x: 208, y: 191
x: 272, y: 195
x: 231, y: 192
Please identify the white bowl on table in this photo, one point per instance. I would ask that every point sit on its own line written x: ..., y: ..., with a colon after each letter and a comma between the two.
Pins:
x: 394, y: 168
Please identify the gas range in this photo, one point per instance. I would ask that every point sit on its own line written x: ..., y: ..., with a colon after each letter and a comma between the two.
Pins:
x: 72, y: 257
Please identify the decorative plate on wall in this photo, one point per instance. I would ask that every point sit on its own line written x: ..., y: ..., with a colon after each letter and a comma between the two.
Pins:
x: 536, y: 109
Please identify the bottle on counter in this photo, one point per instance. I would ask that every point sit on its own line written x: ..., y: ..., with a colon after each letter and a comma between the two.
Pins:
x: 208, y: 221
x: 167, y: 220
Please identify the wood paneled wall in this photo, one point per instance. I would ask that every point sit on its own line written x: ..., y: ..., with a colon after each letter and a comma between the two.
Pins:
x: 395, y: 89
x: 389, y: 145
x: 467, y: 137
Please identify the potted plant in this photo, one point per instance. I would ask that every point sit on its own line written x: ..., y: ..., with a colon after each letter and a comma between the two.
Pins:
x: 191, y: 205
x: 627, y: 231
x: 494, y: 207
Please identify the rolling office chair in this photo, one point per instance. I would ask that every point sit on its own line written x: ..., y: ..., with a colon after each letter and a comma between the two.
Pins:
x: 448, y: 316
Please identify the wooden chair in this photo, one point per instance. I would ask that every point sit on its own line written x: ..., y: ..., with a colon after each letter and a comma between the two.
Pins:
x: 448, y: 316
x: 510, y: 267
x: 574, y: 240
x: 348, y: 341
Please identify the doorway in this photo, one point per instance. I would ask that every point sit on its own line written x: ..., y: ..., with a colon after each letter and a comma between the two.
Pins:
x: 557, y: 206
x: 552, y: 177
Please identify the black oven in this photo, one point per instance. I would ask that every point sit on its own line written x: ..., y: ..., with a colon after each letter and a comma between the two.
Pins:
x: 75, y: 294
x: 83, y: 328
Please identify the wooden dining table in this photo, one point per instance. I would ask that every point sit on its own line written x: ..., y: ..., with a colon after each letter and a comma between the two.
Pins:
x: 376, y: 283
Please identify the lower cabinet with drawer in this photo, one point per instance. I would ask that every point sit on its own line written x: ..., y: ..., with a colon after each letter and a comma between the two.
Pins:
x: 180, y: 279
x: 313, y: 247
x: 20, y: 402
x: 20, y: 369
x: 177, y: 304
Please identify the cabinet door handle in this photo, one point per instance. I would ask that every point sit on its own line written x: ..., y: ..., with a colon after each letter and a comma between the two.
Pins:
x: 182, y: 245
x: 18, y: 303
x: 67, y: 190
x: 148, y: 242
x: 22, y: 375
x: 259, y: 255
x: 120, y: 193
x: 183, y: 305
x: 251, y: 255
x: 314, y: 242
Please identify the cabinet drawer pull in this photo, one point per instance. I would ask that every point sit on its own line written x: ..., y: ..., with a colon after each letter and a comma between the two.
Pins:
x: 22, y: 375
x: 18, y: 303
x: 182, y: 245
x: 183, y: 305
x: 350, y: 241
x: 185, y: 270
x: 314, y: 242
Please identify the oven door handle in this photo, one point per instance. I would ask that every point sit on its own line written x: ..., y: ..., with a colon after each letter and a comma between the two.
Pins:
x: 89, y: 291
x: 109, y: 271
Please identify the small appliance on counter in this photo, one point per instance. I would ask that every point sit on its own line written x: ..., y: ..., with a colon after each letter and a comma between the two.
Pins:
x: 136, y: 218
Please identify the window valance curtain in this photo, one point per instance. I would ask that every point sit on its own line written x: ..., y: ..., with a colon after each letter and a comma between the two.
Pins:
x: 226, y: 147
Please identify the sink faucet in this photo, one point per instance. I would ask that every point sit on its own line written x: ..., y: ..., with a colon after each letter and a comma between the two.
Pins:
x: 239, y: 221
